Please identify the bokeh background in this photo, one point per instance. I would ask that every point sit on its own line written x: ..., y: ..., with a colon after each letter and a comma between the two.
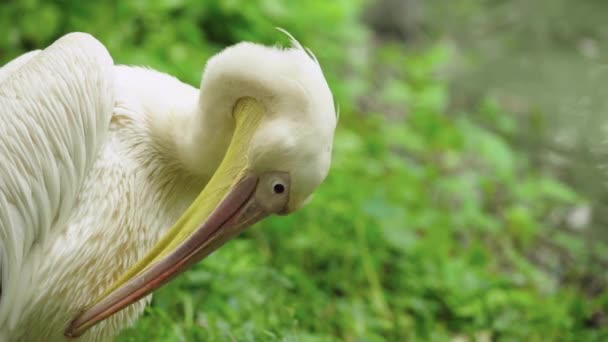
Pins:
x: 466, y: 200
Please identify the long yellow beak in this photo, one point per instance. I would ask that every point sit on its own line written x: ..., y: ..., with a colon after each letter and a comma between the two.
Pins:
x: 234, y: 199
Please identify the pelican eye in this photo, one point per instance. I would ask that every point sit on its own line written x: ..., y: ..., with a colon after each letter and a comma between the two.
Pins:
x: 273, y: 191
x: 278, y: 188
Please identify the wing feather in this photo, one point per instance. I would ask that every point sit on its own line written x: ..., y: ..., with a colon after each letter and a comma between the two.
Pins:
x: 55, y: 109
x: 16, y: 63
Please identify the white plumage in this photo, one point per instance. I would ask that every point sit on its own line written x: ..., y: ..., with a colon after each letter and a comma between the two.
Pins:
x: 97, y: 161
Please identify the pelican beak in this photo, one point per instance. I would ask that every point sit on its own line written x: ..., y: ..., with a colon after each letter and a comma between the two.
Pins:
x: 234, y: 199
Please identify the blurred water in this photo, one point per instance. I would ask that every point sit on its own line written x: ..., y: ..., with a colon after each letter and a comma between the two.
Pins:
x: 544, y: 61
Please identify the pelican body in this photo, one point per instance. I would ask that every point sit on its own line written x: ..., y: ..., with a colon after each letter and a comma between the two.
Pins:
x: 114, y: 179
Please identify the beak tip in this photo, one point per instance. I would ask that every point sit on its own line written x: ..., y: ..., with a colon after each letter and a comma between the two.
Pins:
x: 70, y: 332
x: 74, y: 328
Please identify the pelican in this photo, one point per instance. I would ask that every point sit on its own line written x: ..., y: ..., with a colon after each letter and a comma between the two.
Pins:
x: 114, y: 179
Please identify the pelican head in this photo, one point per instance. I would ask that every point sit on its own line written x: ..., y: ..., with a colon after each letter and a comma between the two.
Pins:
x: 279, y: 112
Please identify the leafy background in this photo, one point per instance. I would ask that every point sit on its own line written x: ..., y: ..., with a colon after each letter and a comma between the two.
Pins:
x: 464, y: 201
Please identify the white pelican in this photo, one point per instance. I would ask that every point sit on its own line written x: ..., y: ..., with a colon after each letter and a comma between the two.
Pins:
x: 114, y: 179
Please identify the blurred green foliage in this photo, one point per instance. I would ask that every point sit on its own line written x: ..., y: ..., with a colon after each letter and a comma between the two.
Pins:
x: 431, y: 225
